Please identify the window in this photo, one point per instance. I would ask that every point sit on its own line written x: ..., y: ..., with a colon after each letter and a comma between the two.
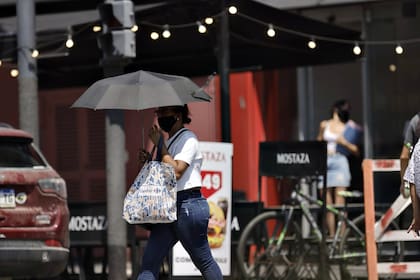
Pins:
x: 18, y: 153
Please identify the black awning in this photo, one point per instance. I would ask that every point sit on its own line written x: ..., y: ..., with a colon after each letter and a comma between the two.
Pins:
x: 190, y: 53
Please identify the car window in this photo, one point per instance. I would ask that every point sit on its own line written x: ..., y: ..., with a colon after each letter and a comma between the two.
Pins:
x: 19, y: 154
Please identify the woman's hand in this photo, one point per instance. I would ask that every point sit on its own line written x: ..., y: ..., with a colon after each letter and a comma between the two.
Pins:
x: 342, y: 141
x: 143, y: 156
x: 414, y: 227
x: 354, y: 149
x: 155, y: 134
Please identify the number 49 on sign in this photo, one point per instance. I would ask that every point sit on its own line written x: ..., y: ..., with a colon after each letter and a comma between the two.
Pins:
x: 211, y: 181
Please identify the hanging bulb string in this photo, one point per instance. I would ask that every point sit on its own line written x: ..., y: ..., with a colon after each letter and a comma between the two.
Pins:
x: 268, y: 44
x: 328, y: 38
x: 176, y: 26
x: 309, y: 36
x: 46, y: 41
x: 49, y: 42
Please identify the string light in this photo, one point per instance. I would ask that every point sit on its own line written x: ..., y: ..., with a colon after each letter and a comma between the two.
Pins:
x: 201, y: 28
x: 399, y: 49
x: 166, y: 33
x: 312, y: 44
x: 35, y: 53
x: 135, y: 28
x: 154, y: 35
x: 270, y: 31
x: 208, y: 20
x: 356, y: 49
x: 392, y: 67
x: 14, y: 73
x: 96, y: 28
x: 233, y: 10
x: 69, y: 42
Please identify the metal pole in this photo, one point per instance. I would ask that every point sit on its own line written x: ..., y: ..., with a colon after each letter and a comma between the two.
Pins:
x: 305, y: 91
x: 223, y: 57
x: 116, y: 158
x: 115, y: 168
x: 302, y: 102
x: 323, y: 262
x: 366, y: 90
x: 27, y: 79
x: 302, y: 90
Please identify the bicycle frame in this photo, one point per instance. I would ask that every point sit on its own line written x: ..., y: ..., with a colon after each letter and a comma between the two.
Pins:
x: 302, y: 200
x: 273, y: 244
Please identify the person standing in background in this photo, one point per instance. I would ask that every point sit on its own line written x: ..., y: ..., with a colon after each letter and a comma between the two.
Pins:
x: 338, y: 170
x: 411, y: 136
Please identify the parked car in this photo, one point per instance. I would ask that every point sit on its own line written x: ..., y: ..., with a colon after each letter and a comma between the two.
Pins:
x: 34, y: 215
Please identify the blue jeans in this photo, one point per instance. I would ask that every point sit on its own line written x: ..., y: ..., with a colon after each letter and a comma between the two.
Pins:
x: 191, y: 230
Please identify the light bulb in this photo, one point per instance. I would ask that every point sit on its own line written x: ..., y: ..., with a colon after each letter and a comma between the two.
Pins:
x: 270, y: 31
x: 392, y: 67
x: 357, y: 50
x: 14, y: 73
x: 201, y: 27
x: 1, y: 62
x: 154, y: 35
x: 209, y: 20
x: 312, y: 44
x: 96, y: 28
x: 135, y: 28
x: 166, y: 33
x: 35, y: 53
x: 399, y: 49
x: 233, y: 10
x: 69, y: 42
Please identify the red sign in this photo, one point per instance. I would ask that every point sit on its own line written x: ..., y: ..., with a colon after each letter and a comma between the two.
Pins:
x: 398, y: 268
x: 211, y: 182
x: 385, y: 163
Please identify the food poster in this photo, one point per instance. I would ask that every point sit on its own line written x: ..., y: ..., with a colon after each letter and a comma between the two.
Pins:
x: 216, y: 173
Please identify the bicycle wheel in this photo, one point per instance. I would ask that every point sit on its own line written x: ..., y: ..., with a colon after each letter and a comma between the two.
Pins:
x: 261, y: 256
x: 353, y: 249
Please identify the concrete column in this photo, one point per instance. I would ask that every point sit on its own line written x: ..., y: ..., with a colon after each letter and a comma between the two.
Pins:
x: 27, y: 79
x: 116, y: 158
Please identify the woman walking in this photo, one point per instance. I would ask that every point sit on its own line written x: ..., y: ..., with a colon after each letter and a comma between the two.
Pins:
x: 192, y: 208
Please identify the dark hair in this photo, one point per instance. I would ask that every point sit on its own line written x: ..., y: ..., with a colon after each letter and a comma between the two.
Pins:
x: 341, y: 104
x: 185, y: 112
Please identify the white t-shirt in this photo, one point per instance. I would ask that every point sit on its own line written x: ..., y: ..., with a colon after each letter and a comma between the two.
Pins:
x: 185, y: 148
x: 412, y: 173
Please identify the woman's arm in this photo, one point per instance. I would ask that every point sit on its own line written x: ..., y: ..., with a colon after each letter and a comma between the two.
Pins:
x: 354, y: 149
x: 322, y: 126
x: 404, y: 159
x: 415, y: 224
x: 179, y: 166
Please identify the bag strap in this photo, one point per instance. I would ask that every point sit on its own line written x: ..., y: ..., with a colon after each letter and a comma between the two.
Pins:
x: 159, y: 149
x: 176, y: 136
x: 160, y: 143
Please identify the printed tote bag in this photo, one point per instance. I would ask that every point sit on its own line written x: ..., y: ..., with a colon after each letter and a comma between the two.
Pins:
x: 152, y: 196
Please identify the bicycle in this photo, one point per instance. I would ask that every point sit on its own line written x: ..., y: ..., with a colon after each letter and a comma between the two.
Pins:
x: 272, y: 245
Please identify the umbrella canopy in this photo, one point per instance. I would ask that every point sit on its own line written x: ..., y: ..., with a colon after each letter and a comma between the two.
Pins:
x: 141, y: 90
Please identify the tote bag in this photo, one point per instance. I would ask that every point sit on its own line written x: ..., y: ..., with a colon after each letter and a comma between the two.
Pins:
x: 152, y: 197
